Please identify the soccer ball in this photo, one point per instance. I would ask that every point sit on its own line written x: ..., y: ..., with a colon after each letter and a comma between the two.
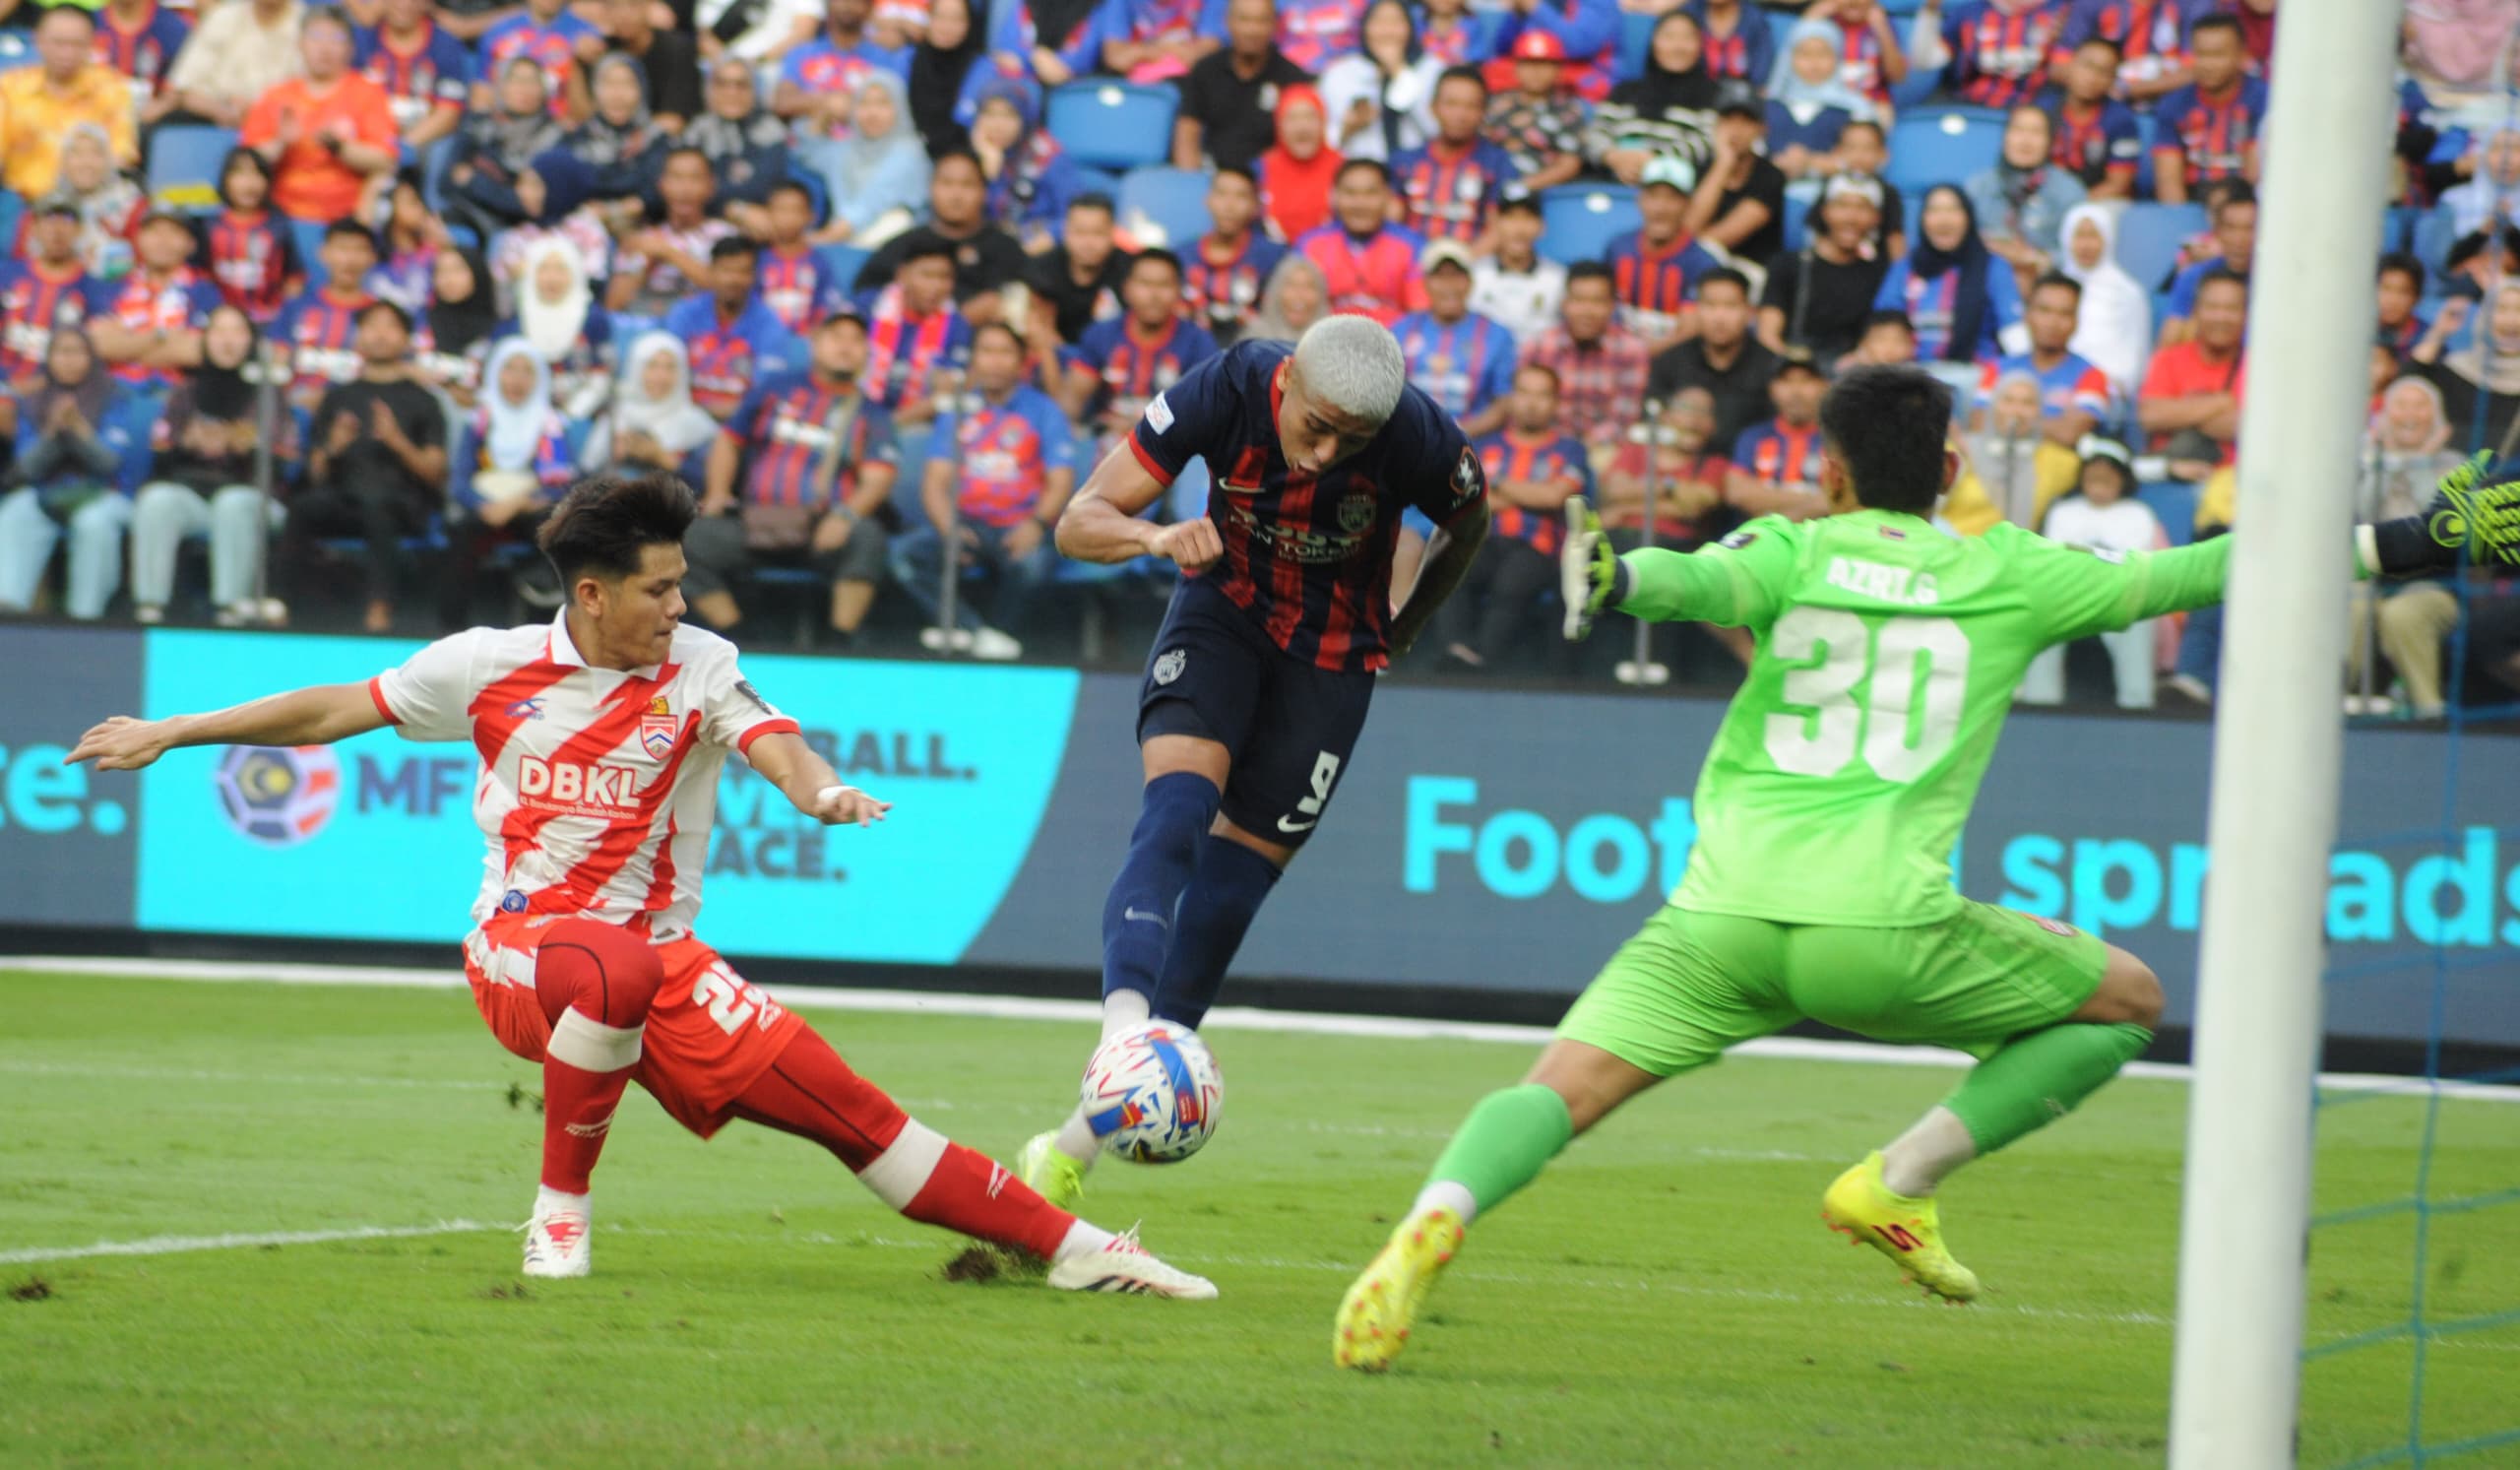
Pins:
x: 1151, y: 1093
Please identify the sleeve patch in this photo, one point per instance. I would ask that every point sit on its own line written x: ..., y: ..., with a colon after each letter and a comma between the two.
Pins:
x: 1159, y: 413
x: 1467, y: 481
x: 744, y: 690
x: 1737, y: 539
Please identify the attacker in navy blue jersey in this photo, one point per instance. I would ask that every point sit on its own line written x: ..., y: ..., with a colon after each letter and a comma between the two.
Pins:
x: 1257, y: 686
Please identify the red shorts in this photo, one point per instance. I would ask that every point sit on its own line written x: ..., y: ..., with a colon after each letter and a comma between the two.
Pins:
x: 709, y: 1037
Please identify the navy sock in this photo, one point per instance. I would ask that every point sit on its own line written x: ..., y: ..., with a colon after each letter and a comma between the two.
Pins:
x: 1137, y: 916
x: 1217, y: 910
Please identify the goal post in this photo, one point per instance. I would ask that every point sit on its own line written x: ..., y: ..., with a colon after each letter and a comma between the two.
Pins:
x: 2236, y: 1382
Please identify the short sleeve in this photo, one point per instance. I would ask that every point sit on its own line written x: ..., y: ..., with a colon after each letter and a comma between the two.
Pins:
x: 1445, y: 478
x: 734, y: 715
x: 429, y: 695
x: 1185, y: 419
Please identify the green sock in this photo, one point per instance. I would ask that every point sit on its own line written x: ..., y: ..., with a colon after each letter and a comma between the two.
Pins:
x: 1504, y: 1143
x: 2040, y: 1077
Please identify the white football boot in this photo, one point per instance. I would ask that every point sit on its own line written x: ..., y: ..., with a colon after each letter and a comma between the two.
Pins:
x: 1123, y: 1265
x: 559, y: 1245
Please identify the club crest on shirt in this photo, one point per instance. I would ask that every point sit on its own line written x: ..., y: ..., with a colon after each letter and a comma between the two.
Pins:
x: 658, y: 730
x: 1356, y: 513
x: 1168, y: 666
x: 1466, y: 478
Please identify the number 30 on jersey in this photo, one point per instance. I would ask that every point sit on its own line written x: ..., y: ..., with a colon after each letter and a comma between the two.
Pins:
x: 1910, y: 710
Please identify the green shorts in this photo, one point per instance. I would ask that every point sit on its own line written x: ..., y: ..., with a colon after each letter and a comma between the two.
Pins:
x: 1691, y: 985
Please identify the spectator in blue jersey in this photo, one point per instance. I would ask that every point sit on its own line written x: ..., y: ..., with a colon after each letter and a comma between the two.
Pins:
x: 2209, y: 129
x: 1656, y: 267
x: 1122, y: 363
x: 805, y: 469
x: 1667, y: 113
x: 45, y: 288
x: 2074, y: 397
x: 1031, y: 178
x: 1809, y: 105
x: 426, y: 73
x: 1461, y: 359
x: 919, y: 343
x: 1776, y: 464
x: 1159, y: 40
x: 320, y: 327
x: 146, y: 325
x: 735, y: 337
x: 1964, y: 301
x: 1533, y: 469
x: 1740, y: 39
x: 2095, y: 136
x: 818, y: 81
x: 557, y: 315
x: 1449, y: 189
x: 72, y: 437
x: 2151, y: 37
x: 2021, y: 203
x: 1004, y: 466
x: 1230, y: 99
x: 1077, y: 282
x: 745, y: 143
x: 1721, y: 359
x: 140, y: 39
x: 1586, y: 30
x: 877, y: 176
x: 1060, y: 39
x: 555, y: 39
x: 796, y: 283
x: 1991, y: 54
x: 2235, y: 249
x: 1228, y: 267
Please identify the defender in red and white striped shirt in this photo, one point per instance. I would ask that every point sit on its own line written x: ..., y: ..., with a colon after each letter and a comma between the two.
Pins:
x: 602, y: 736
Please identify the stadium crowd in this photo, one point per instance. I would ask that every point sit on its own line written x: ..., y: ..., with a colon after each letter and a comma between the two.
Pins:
x: 349, y: 295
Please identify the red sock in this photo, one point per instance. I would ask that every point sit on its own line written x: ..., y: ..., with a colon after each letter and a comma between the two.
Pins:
x: 811, y: 1093
x: 596, y: 981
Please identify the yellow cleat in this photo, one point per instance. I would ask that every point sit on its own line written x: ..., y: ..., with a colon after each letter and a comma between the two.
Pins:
x: 1860, y: 1207
x: 1052, y: 1175
x: 1373, y: 1320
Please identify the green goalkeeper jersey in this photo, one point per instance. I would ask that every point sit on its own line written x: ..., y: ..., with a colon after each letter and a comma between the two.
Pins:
x: 1888, y: 651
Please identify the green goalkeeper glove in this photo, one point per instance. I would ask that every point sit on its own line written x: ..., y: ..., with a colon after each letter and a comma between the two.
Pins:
x: 2466, y: 512
x: 1590, y: 574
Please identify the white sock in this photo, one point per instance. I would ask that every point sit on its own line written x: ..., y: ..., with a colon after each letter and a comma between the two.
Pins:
x: 547, y: 1201
x: 1922, y: 1156
x: 1076, y: 1140
x: 1122, y: 1010
x: 1083, y: 1240
x: 1447, y: 1194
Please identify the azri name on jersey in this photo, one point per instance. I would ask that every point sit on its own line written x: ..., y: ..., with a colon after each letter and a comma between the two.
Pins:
x: 1882, y: 582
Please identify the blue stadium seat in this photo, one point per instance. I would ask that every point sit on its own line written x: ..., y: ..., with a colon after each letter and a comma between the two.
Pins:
x: 1635, y: 39
x: 2145, y: 131
x: 2148, y: 236
x: 184, y: 163
x: 2433, y: 236
x: 1944, y: 146
x: 1103, y: 181
x: 2174, y: 501
x: 1113, y: 125
x: 17, y: 50
x: 817, y: 192
x: 11, y: 210
x: 1578, y: 222
x: 843, y: 262
x: 1173, y: 201
x: 307, y: 236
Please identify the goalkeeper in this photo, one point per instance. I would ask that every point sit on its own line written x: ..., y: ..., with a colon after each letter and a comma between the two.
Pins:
x: 1820, y: 886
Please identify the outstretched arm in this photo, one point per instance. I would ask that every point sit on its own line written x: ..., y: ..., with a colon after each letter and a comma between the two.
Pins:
x: 809, y: 783
x: 2465, y: 514
x: 315, y: 716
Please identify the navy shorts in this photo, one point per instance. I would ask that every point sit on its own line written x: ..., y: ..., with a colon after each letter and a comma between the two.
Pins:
x: 1289, y: 726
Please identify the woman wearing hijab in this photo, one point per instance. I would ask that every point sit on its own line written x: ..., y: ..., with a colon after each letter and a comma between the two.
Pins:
x: 1298, y: 296
x: 511, y: 467
x: 556, y: 315
x: 201, y: 478
x: 1031, y: 178
x: 1382, y: 96
x: 947, y: 70
x: 2023, y: 199
x: 70, y: 442
x: 2479, y: 383
x: 1297, y: 171
x: 1963, y: 301
x: 744, y: 142
x: 109, y: 204
x: 653, y: 423
x: 619, y: 141
x: 2406, y: 452
x: 2113, y: 332
x: 496, y: 149
x: 1670, y: 110
x: 456, y: 327
x: 881, y: 166
x: 1809, y: 104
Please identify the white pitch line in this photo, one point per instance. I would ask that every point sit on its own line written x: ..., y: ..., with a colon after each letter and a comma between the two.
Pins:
x: 1231, y: 1018
x: 181, y: 1245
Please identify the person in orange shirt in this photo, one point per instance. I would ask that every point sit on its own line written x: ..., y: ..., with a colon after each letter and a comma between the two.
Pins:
x: 330, y: 134
x: 40, y: 104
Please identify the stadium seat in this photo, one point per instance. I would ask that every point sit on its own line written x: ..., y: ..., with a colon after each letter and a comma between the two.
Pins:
x: 15, y: 50
x: 1578, y: 222
x: 843, y: 262
x: 1635, y: 37
x: 184, y: 164
x: 1944, y: 146
x: 817, y: 192
x: 2148, y: 236
x: 12, y: 209
x: 2174, y: 502
x: 1172, y: 203
x: 2432, y: 238
x: 1113, y: 125
x: 307, y: 236
x: 1103, y: 181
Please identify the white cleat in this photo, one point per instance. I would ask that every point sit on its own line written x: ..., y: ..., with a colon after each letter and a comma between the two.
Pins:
x: 560, y: 1246
x: 1124, y: 1265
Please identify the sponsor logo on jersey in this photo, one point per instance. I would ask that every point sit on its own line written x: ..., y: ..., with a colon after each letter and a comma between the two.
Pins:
x: 526, y: 709
x: 277, y: 797
x: 743, y: 686
x: 577, y: 787
x: 512, y: 902
x: 1168, y: 667
x: 1160, y: 413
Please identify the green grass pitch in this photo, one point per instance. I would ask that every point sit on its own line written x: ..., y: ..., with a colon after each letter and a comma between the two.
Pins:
x: 1666, y: 1296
